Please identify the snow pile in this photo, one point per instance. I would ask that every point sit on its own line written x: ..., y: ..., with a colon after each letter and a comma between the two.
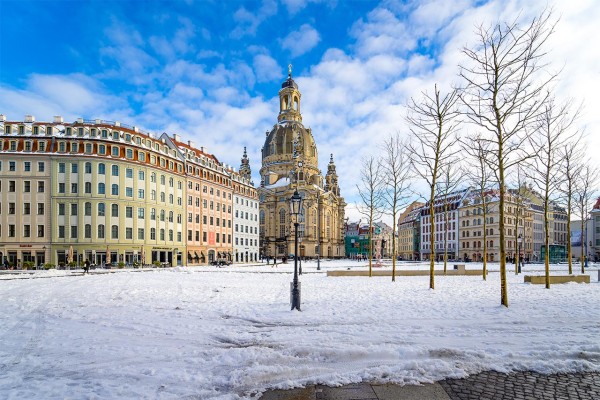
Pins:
x: 228, y: 333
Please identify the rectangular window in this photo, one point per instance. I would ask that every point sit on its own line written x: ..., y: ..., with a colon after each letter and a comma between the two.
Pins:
x: 141, y: 175
x: 61, y: 208
x: 128, y: 212
x: 141, y: 233
x: 74, y: 209
x: 88, y: 148
x: 27, y: 166
x: 41, y: 231
x: 74, y: 168
x: 114, y: 151
x: 41, y: 186
x: 128, y: 233
x: 40, y: 208
x: 141, y: 212
x: 41, y: 166
x: 140, y: 193
x: 26, y: 186
x: 129, y: 191
x: 61, y: 168
x: 61, y: 188
x: 11, y: 208
x: 11, y: 231
x: 129, y: 173
x: 27, y: 146
x: 12, y: 166
x: 26, y: 208
x: 61, y: 231
x: 101, y: 149
x: 73, y: 188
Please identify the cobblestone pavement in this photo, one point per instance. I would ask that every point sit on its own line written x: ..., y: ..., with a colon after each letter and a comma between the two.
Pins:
x: 488, y: 385
x: 524, y: 385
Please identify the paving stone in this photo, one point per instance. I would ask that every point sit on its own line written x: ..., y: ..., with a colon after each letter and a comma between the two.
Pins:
x: 410, y: 392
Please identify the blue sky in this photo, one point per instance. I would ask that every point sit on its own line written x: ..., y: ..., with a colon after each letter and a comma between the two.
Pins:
x: 210, y: 70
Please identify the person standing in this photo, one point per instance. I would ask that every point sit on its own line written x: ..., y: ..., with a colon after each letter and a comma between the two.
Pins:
x: 86, y: 267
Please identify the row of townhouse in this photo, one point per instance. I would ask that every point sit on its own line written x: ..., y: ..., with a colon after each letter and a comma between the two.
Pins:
x: 467, y: 227
x: 358, y: 240
x: 106, y: 192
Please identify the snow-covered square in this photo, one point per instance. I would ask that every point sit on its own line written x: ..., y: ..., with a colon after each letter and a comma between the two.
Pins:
x: 228, y: 333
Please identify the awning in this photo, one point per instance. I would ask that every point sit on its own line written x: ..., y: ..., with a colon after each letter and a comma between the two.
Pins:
x: 197, y: 256
x: 218, y: 254
x: 190, y: 255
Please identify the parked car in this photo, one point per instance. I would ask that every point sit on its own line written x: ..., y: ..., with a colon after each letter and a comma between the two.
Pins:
x: 220, y: 262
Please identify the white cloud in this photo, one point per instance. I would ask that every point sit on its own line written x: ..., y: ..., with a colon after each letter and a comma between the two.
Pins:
x: 301, y: 41
x: 248, y: 22
x: 266, y: 68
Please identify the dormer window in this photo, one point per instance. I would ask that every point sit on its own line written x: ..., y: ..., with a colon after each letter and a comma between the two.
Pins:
x: 115, y: 151
x: 48, y: 130
x: 7, y: 129
x: 36, y: 130
x: 104, y: 134
x: 41, y: 146
x: 28, y: 145
x: 93, y: 132
x: 79, y: 132
x: 68, y: 131
x: 62, y: 147
x: 21, y: 130
x: 74, y: 147
x: 115, y: 135
x: 127, y: 137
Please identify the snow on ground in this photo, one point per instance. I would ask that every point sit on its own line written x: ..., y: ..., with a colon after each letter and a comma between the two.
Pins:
x: 228, y: 333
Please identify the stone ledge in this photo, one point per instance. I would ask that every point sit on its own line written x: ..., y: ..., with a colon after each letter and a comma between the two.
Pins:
x: 450, y: 272
x: 541, y: 279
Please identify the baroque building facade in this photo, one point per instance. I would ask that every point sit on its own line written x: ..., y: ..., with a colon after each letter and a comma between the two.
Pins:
x: 289, y: 164
x: 109, y: 193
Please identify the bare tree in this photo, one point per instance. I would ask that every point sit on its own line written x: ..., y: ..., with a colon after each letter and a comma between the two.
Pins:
x: 371, y: 198
x: 433, y: 123
x: 519, y: 219
x: 586, y: 180
x: 572, y: 154
x: 480, y: 175
x: 553, y: 131
x: 397, y: 174
x: 447, y: 184
x: 503, y: 95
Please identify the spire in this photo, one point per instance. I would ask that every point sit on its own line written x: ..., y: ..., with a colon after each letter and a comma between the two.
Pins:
x: 331, y: 179
x: 289, y: 100
x: 245, y: 170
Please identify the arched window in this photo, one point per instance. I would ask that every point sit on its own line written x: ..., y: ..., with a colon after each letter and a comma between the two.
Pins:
x: 114, y: 232
x: 101, y: 169
x: 282, y: 224
x: 88, y: 209
x: 262, y: 216
x: 88, y: 167
x: 101, y: 188
x: 101, y: 231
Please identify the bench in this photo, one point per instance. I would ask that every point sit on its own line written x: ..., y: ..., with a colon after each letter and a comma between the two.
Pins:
x: 541, y: 279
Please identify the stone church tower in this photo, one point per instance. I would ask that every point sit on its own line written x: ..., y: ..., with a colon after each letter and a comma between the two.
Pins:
x: 290, y: 162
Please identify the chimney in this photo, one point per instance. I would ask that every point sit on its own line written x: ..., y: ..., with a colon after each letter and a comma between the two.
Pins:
x: 190, y: 143
x: 2, y: 117
x: 58, y: 119
x: 80, y: 120
x: 29, y: 118
x: 176, y: 137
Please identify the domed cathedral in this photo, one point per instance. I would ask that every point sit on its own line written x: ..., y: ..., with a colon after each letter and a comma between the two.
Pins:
x: 290, y: 162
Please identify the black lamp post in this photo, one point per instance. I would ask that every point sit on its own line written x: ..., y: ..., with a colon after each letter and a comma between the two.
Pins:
x: 295, y: 208
x: 519, y: 256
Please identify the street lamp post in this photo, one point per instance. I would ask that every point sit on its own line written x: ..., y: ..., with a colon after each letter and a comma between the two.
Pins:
x: 519, y: 262
x: 295, y: 209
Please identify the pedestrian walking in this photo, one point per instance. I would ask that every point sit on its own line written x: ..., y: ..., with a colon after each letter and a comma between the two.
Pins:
x: 86, y: 267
